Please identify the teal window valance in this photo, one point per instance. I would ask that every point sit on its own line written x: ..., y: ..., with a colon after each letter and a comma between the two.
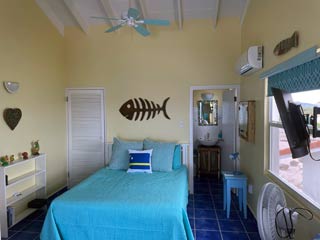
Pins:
x: 304, y: 77
x: 300, y: 73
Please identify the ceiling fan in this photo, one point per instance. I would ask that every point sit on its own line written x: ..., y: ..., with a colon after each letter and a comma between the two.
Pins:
x: 132, y: 19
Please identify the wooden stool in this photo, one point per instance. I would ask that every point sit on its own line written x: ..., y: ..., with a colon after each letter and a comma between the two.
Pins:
x: 206, y: 152
x: 239, y: 181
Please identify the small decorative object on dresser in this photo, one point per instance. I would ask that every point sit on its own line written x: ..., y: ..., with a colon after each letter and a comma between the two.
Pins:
x: 12, y: 117
x: 35, y: 148
x: 25, y: 155
x: 11, y: 158
x: 4, y: 161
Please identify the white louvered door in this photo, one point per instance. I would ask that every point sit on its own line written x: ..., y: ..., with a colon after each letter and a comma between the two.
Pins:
x: 86, y: 133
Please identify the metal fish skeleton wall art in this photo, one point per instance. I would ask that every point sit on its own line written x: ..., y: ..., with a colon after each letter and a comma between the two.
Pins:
x: 135, y: 108
x: 285, y: 45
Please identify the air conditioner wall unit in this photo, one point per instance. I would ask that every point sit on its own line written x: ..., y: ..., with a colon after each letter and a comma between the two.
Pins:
x: 250, y: 61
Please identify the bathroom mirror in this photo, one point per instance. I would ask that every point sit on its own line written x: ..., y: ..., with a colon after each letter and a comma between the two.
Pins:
x: 208, y: 113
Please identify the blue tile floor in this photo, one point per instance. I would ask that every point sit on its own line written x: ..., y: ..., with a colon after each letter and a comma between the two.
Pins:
x: 208, y: 220
x: 30, y: 227
x: 205, y: 210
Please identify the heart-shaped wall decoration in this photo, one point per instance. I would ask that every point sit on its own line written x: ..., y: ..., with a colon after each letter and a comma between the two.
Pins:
x: 12, y: 117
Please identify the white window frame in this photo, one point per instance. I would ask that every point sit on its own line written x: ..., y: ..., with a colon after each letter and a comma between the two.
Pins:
x: 272, y: 124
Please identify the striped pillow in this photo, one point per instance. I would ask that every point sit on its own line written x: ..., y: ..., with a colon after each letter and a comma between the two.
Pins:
x: 140, y: 161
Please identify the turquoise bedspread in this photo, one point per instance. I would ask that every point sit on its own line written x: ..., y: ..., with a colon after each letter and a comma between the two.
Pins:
x: 114, y: 204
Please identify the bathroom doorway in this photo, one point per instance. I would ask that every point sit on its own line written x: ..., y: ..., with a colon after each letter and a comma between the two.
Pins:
x: 213, y: 116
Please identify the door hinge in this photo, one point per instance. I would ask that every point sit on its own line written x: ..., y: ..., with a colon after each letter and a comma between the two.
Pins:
x: 67, y: 99
x: 235, y: 99
x: 68, y: 174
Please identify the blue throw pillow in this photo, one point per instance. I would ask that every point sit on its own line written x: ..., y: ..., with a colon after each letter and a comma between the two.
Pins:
x: 176, y: 157
x: 140, y: 161
x: 162, y: 154
x: 120, y: 153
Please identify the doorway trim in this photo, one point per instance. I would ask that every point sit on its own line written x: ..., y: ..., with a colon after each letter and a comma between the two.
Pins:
x: 192, y: 89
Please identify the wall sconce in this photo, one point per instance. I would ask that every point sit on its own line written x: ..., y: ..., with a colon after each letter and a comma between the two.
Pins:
x: 11, y: 87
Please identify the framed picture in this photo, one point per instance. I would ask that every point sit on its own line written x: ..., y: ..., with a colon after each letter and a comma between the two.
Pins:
x: 247, y: 120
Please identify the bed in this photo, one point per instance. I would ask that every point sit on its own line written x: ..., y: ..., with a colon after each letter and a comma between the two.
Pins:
x: 114, y: 204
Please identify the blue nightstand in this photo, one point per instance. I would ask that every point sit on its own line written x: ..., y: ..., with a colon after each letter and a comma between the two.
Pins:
x: 239, y: 181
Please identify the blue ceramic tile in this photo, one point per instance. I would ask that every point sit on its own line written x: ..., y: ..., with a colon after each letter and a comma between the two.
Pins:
x: 254, y: 236
x: 35, y: 215
x: 24, y: 236
x: 219, y: 205
x: 200, y: 180
x: 200, y: 205
x: 216, y: 186
x: 234, y: 235
x: 206, y: 224
x: 203, y: 201
x: 231, y: 225
x: 41, y: 217
x: 218, y: 197
x: 21, y: 225
x: 190, y: 212
x: 11, y: 233
x: 35, y: 226
x: 251, y: 226
x: 208, y: 235
x: 190, y: 204
x: 205, y: 213
x: 191, y: 221
x: 250, y: 216
x: 202, y: 190
x: 201, y: 196
x: 222, y: 215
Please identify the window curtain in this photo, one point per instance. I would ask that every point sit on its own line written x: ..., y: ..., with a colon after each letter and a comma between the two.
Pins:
x: 299, y: 73
x: 303, y: 77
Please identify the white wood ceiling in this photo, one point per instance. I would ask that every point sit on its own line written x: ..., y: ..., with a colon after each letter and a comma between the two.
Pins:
x: 79, y: 12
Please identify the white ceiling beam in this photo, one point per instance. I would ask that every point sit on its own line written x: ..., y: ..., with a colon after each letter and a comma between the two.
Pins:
x: 142, y: 7
x: 143, y: 10
x: 244, y: 13
x: 216, y: 14
x: 77, y: 15
x: 108, y: 10
x: 46, y: 8
x: 179, y: 14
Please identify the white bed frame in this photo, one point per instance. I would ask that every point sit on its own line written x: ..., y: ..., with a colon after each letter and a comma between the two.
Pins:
x: 184, y: 158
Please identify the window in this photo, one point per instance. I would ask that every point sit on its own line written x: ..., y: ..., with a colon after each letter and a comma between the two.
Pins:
x: 302, y: 175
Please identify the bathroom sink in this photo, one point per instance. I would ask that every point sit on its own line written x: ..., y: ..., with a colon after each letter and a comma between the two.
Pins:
x: 208, y: 142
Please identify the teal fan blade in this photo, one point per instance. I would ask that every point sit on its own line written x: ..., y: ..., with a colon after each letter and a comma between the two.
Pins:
x: 114, y: 28
x: 142, y: 30
x: 159, y: 22
x: 134, y: 13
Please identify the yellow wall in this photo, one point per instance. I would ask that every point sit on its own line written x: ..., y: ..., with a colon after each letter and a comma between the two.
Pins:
x: 163, y: 65
x: 32, y: 53
x: 267, y: 23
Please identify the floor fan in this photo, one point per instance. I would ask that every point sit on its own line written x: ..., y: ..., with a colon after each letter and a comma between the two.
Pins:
x: 275, y: 220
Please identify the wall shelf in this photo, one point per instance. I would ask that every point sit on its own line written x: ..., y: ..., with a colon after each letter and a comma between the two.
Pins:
x: 21, y: 188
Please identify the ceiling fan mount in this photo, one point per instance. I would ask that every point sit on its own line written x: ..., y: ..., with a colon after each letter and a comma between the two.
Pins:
x: 132, y: 19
